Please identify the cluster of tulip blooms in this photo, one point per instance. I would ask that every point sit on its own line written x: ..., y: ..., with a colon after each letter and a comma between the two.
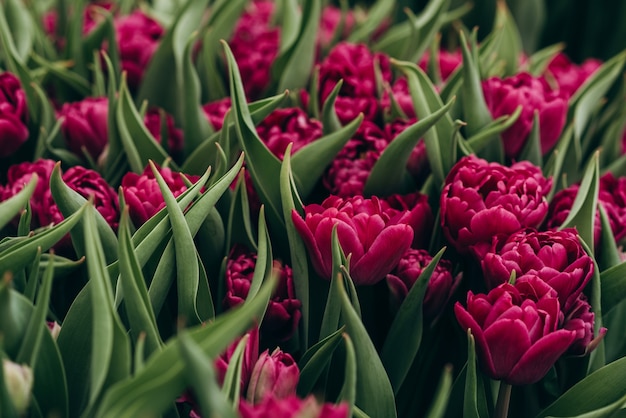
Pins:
x: 326, y: 214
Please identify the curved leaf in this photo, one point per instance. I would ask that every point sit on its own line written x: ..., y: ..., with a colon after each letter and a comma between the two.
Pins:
x: 10, y: 207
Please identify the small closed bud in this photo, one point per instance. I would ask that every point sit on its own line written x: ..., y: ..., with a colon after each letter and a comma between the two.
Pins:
x: 18, y: 380
x: 276, y: 374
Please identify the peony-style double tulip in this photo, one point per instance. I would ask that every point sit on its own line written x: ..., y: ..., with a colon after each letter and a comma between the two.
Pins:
x: 440, y: 286
x: 283, y: 312
x: 292, y: 407
x: 370, y: 231
x: 612, y: 197
x: 503, y: 96
x: 518, y: 335
x: 85, y: 126
x: 481, y: 201
x: 288, y: 125
x: 13, y: 114
x: 143, y: 195
x: 556, y: 257
x: 274, y: 375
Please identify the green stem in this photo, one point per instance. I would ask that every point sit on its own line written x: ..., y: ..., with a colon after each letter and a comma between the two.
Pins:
x: 504, y: 397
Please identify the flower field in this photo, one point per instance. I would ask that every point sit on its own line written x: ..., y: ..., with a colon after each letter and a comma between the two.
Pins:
x: 283, y: 208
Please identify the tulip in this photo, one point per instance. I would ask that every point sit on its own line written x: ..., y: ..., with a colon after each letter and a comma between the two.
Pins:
x: 250, y: 356
x: 85, y: 125
x: 518, y: 338
x: 153, y: 122
x: 285, y: 126
x: 557, y: 257
x: 374, y: 235
x: 292, y: 407
x: 330, y: 22
x: 351, y: 167
x: 440, y: 286
x: 143, y: 195
x: 255, y: 43
x: 503, y: 96
x: 215, y: 112
x: 448, y: 62
x: 283, y: 312
x: 273, y: 375
x: 569, y: 76
x: 18, y: 381
x: 482, y: 200
x: 581, y: 320
x: 13, y: 115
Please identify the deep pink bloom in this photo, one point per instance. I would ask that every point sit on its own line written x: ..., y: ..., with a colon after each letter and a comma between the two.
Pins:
x: 440, y: 287
x: 138, y: 37
x: 255, y: 44
x: 518, y: 338
x: 503, y: 96
x: 375, y: 235
x: 85, y: 125
x: 292, y: 407
x: 13, y: 114
x: 329, y: 25
x: 143, y: 195
x: 556, y: 257
x: 250, y: 356
x: 89, y: 184
x: 215, y: 112
x: 19, y: 175
x: 349, y: 171
x: 274, y: 375
x: 569, y: 76
x: 288, y: 125
x: 581, y: 319
x: 612, y: 197
x: 401, y: 95
x: 283, y: 312
x: 482, y: 200
x: 448, y: 62
x: 154, y: 122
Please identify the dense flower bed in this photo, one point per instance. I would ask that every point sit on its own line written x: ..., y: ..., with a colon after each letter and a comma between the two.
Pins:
x: 329, y: 213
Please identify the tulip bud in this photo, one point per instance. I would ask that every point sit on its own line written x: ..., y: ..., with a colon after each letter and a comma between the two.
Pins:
x: 18, y: 381
x: 85, y: 125
x: 276, y: 375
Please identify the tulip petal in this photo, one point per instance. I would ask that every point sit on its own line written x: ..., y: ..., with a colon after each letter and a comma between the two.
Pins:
x: 468, y: 322
x: 538, y: 359
x: 507, y: 340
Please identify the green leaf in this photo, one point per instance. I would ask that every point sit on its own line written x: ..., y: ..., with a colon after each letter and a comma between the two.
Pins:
x: 532, y: 150
x: 20, y: 255
x: 470, y: 400
x: 163, y: 84
x: 31, y: 344
x: 310, y: 162
x: 348, y: 390
x: 538, y: 62
x: 239, y: 228
x: 187, y: 273
x: 389, y: 174
x: 199, y: 371
x: 292, y: 67
x: 231, y: 387
x: 613, y: 282
x: 264, y: 260
x: 315, y: 361
x: 110, y: 347
x: 297, y: 249
x: 440, y: 403
x: 332, y: 311
x: 609, y: 255
x: 138, y: 308
x: 69, y: 201
x: 161, y: 381
x: 10, y: 207
x: 376, y: 15
x: 135, y: 136
x: 264, y: 166
x: 330, y: 120
x: 583, y: 212
x: 511, y: 43
x: 21, y: 26
x: 407, y: 328
x: 598, y: 390
x: 439, y: 141
x: 196, y: 127
x: 374, y: 394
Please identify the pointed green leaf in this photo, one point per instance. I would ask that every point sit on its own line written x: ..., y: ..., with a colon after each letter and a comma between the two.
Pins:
x: 138, y: 308
x: 10, y: 207
x: 389, y: 173
x: 161, y: 381
x: 609, y: 255
x: 613, y: 287
x: 440, y: 403
x: 330, y: 120
x: 315, y: 360
x: 231, y: 387
x: 264, y: 260
x: 470, y: 400
x: 583, y: 212
x: 376, y: 15
x: 374, y: 394
x: 538, y: 62
x: 332, y: 311
x: 532, y: 150
x: 348, y: 390
x: 511, y: 44
x: 407, y: 328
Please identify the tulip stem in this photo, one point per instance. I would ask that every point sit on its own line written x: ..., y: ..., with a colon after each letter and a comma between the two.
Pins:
x: 504, y: 397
